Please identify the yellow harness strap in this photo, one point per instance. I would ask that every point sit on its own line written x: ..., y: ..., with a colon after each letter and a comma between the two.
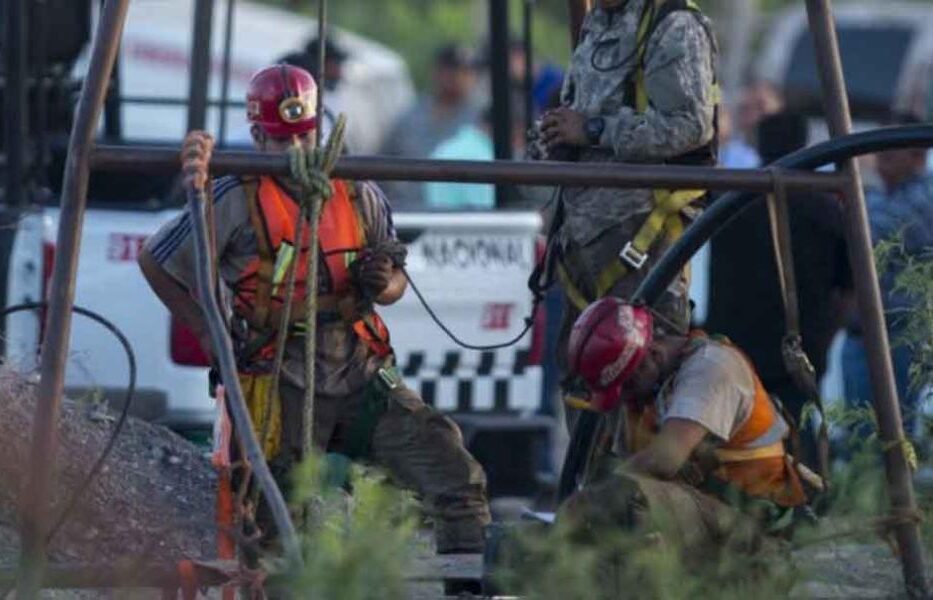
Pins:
x: 746, y: 454
x: 256, y: 391
x: 664, y: 218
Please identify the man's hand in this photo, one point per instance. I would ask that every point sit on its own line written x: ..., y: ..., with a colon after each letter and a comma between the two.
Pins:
x: 196, y: 153
x: 374, y: 273
x: 563, y: 126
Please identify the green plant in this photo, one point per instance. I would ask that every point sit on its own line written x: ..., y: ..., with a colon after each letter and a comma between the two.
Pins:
x: 355, y: 547
x: 912, y: 275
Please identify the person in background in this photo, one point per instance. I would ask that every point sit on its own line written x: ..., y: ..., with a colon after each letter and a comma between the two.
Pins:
x: 472, y: 142
x: 734, y: 151
x: 433, y: 118
x: 334, y: 58
x: 901, y: 211
x: 758, y: 100
x: 745, y: 298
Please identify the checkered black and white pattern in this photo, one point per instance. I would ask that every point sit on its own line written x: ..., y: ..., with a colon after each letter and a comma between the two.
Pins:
x: 484, y: 387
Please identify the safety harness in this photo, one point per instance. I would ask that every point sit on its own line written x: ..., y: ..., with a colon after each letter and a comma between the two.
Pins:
x: 669, y: 206
x: 259, y: 292
x: 754, y: 460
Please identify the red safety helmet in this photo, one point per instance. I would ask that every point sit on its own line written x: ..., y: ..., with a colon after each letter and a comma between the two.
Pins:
x: 282, y: 99
x: 607, y: 343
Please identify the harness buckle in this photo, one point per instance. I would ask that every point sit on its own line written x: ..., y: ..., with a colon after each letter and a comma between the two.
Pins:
x: 632, y: 256
x: 388, y: 377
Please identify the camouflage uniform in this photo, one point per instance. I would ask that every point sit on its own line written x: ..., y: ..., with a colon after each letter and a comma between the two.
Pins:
x: 679, y: 81
x: 420, y: 448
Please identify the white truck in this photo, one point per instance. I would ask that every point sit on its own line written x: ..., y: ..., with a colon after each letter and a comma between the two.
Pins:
x: 471, y: 267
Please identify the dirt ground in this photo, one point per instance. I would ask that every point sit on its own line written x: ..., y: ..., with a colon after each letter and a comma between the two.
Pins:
x: 154, y: 501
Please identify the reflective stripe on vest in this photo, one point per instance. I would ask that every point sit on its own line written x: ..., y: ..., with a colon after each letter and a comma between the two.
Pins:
x: 259, y: 289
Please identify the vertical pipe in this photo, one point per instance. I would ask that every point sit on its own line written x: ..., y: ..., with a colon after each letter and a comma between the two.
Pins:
x: 577, y: 10
x: 501, y: 87
x: 225, y: 76
x: 35, y: 498
x: 887, y: 410
x: 17, y: 81
x: 200, y: 64
x: 41, y: 84
x: 321, y: 59
x: 527, y: 41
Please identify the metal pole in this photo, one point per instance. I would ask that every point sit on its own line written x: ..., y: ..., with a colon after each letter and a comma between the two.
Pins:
x: 35, y: 498
x: 226, y: 362
x: 577, y: 10
x: 200, y: 64
x: 501, y: 86
x: 165, y: 160
x: 17, y: 80
x: 225, y: 76
x: 529, y: 83
x: 858, y: 236
x: 41, y: 81
x: 728, y: 206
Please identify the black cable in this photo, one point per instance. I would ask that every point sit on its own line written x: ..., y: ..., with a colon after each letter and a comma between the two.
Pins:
x: 121, y: 420
x: 529, y: 322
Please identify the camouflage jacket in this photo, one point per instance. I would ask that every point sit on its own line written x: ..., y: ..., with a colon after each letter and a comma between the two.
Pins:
x: 679, y: 73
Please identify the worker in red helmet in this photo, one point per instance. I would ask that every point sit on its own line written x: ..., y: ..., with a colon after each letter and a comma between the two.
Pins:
x: 700, y: 435
x: 363, y: 410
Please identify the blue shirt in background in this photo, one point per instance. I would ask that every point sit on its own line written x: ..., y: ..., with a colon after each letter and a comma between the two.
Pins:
x: 468, y: 143
x: 906, y: 211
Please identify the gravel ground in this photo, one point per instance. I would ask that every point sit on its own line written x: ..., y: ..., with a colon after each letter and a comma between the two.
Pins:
x: 154, y: 501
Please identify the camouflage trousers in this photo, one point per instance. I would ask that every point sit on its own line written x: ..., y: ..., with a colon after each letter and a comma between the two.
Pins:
x: 421, y: 450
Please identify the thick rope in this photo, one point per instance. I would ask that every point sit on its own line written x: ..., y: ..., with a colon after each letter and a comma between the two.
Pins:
x: 311, y: 168
x: 313, y: 177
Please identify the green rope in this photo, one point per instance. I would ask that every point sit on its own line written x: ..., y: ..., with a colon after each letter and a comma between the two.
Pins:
x: 311, y: 168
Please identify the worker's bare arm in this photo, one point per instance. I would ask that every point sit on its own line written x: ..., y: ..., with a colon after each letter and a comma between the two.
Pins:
x: 173, y: 295
x: 669, y: 450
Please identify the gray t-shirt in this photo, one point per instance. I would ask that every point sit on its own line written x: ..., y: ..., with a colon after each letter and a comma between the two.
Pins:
x: 343, y: 363
x: 715, y: 387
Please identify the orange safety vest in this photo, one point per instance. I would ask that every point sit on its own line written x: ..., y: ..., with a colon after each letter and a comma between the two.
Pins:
x: 260, y: 289
x: 753, y: 460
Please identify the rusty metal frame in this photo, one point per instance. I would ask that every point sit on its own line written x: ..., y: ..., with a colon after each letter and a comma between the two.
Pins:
x: 871, y: 312
x: 35, y: 496
x: 165, y: 160
x: 83, y: 156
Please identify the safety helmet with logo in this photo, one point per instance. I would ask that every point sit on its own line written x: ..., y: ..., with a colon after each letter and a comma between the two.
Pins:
x: 282, y: 100
x: 607, y: 344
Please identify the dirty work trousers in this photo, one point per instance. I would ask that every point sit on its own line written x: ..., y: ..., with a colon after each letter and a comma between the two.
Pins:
x: 703, y: 528
x: 421, y: 449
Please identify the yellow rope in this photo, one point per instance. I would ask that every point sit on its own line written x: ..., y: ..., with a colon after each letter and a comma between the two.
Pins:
x: 910, y: 453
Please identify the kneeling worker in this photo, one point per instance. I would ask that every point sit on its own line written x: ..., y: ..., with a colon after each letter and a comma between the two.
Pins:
x: 703, y: 440
x: 362, y: 408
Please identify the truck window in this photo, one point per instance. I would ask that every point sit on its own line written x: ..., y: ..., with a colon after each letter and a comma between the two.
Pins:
x: 873, y: 59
